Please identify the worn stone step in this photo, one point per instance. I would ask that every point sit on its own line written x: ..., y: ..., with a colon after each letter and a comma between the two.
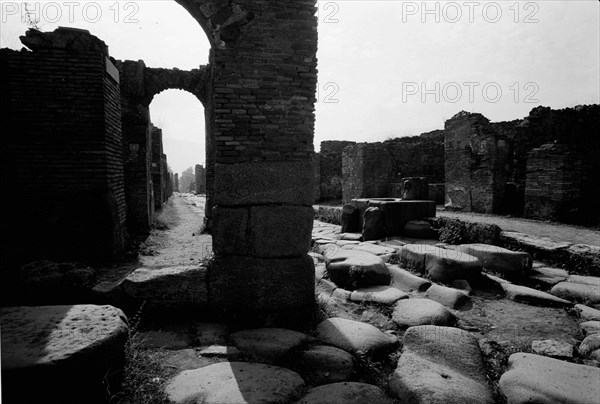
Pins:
x: 512, y: 264
x: 268, y: 345
x: 407, y: 281
x: 378, y: 294
x: 351, y: 269
x: 579, y: 292
x: 353, y: 336
x: 531, y: 296
x: 449, y: 297
x: 414, y: 312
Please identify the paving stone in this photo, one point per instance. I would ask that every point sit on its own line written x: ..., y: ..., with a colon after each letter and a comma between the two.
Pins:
x: 346, y: 393
x: 347, y: 243
x: 579, y: 292
x: 185, y: 359
x: 523, y: 294
x: 463, y: 285
x: 414, y: 312
x: 211, y: 333
x: 512, y: 264
x: 439, y: 264
x: 322, y: 364
x: 449, y: 297
x: 587, y: 313
x: 407, y: 281
x: 234, y: 383
x: 269, y: 345
x: 353, y: 336
x: 320, y: 271
x: 341, y: 294
x: 352, y: 269
x: 585, y: 280
x: 325, y: 285
x: 168, y: 288
x: 64, y: 351
x: 547, y: 276
x: 372, y: 248
x: 378, y: 294
x: 589, y: 344
x: 590, y: 327
x: 550, y: 347
x: 440, y: 365
x: 538, y: 379
x: 351, y: 236
x: 230, y: 353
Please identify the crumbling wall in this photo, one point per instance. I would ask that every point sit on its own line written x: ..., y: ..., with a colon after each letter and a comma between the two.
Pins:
x: 366, y: 169
x: 66, y: 160
x: 475, y: 166
x: 330, y: 166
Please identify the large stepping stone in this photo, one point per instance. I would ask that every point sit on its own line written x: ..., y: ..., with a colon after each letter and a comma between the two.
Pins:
x: 353, y: 336
x: 523, y: 294
x: 378, y: 294
x: 587, y: 313
x: 512, y: 264
x: 415, y: 312
x: 269, y: 345
x: 181, y: 287
x: 538, y: 379
x: 346, y: 393
x: 63, y: 353
x: 589, y: 344
x: 548, y: 276
x: 589, y: 327
x: 449, y: 297
x: 371, y: 248
x: 440, y: 365
x: 351, y: 269
x: 579, y: 292
x: 406, y: 281
x: 441, y: 265
x: 550, y: 347
x: 234, y: 383
x: 322, y: 364
x: 586, y: 280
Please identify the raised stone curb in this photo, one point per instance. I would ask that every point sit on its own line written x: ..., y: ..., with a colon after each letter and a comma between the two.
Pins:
x: 512, y: 264
x: 531, y: 296
x: 441, y: 265
x: 406, y: 281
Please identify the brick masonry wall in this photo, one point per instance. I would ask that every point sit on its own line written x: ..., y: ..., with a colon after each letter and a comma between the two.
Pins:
x: 330, y: 166
x: 66, y: 161
x: 366, y: 169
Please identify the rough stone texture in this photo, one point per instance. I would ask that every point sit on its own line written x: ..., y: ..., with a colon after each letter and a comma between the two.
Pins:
x: 548, y: 276
x: 578, y: 292
x: 345, y: 393
x: 440, y: 365
x: 234, y: 383
x: 371, y: 248
x: 531, y: 296
x: 373, y: 224
x: 167, y: 288
x: 437, y: 193
x: 538, y: 379
x: 406, y: 281
x: 353, y: 336
x: 351, y: 220
x: 553, y: 183
x: 65, y: 351
x: 366, y: 169
x: 414, y: 312
x: 585, y: 280
x: 230, y: 231
x: 260, y: 289
x: 396, y: 212
x: 322, y: 364
x: 330, y: 159
x: 71, y: 109
x: 457, y: 231
x: 475, y: 159
x: 355, y: 269
x: 419, y: 229
x: 449, y: 297
x: 590, y: 327
x: 440, y: 264
x: 268, y: 345
x: 200, y: 174
x: 587, y: 313
x: 378, y: 294
x: 589, y: 344
x: 559, y: 349
x: 512, y: 264
x: 415, y: 188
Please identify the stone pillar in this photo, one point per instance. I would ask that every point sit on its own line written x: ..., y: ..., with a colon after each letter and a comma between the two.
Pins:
x: 156, y: 171
x: 200, y: 174
x: 476, y: 156
x: 366, y: 169
x: 330, y: 168
x: 263, y: 95
x: 176, y: 182
x: 553, y: 184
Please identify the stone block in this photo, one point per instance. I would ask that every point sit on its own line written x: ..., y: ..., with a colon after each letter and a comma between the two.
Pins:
x: 351, y: 219
x: 280, y: 231
x: 230, y: 231
x: 262, y: 291
x: 415, y: 188
x: 255, y: 183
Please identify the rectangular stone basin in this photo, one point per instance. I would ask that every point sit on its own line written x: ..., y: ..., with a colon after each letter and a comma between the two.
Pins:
x: 396, y: 211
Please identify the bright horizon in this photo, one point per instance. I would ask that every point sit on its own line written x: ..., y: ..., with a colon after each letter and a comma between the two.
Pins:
x: 382, y: 64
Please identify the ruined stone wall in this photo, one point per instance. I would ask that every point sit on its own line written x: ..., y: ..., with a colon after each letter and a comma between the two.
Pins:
x: 65, y: 160
x: 366, y: 169
x: 553, y: 185
x: 164, y: 176
x: 330, y: 166
x: 263, y: 77
x: 200, y: 174
x: 156, y: 167
x: 176, y: 182
x: 475, y: 166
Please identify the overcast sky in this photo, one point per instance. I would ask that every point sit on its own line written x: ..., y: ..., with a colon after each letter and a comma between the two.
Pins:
x: 386, y: 68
